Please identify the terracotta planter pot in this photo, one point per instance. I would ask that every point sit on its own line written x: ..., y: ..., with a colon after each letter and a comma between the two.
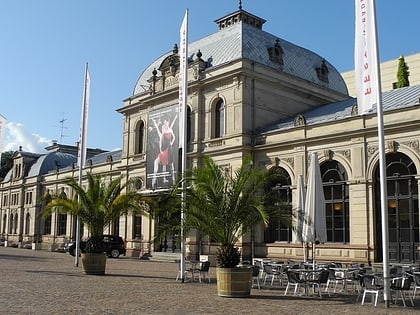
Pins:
x: 234, y: 282
x: 93, y: 264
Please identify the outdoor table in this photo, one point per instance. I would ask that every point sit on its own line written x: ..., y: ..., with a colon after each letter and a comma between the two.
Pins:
x: 347, y: 274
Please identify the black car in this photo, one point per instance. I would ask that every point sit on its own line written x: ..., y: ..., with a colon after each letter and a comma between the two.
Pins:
x: 114, y: 245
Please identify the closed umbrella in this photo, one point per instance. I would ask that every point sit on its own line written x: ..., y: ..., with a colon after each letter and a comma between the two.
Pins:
x: 300, y: 209
x: 314, y: 227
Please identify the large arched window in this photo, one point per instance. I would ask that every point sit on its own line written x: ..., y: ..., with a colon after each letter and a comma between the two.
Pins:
x: 4, y: 224
x: 139, y: 136
x: 189, y: 125
x: 279, y: 228
x: 27, y: 223
x: 219, y: 119
x: 336, y: 192
x: 11, y: 223
x: 403, y: 209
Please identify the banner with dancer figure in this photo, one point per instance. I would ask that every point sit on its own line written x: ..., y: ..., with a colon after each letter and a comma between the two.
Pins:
x: 162, y: 148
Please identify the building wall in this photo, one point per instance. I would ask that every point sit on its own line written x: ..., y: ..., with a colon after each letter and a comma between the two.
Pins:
x: 389, y: 73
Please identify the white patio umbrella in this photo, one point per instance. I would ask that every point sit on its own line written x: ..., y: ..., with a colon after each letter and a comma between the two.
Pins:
x: 300, y: 211
x: 314, y: 227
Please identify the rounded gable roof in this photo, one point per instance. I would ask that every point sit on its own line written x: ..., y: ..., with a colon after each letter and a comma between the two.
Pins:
x: 243, y: 41
x: 51, y: 161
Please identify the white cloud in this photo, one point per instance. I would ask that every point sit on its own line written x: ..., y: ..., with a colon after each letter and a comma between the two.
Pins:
x: 16, y: 136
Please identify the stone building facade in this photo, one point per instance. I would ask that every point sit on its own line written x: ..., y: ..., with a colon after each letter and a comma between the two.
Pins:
x: 249, y: 92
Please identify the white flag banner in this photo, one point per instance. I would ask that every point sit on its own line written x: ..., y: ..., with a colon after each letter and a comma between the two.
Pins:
x: 2, y: 131
x: 365, y: 57
x: 83, y: 121
x: 183, y: 78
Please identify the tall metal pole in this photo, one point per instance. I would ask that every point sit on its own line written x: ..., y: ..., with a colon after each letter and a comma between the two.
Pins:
x: 81, y: 152
x: 382, y: 167
x: 183, y: 90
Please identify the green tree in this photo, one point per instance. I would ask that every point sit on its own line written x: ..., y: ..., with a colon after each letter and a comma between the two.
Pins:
x: 98, y: 205
x: 402, y: 73
x: 6, y: 163
x: 225, y: 206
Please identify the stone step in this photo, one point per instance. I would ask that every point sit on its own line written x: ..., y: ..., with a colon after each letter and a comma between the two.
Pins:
x: 165, y: 256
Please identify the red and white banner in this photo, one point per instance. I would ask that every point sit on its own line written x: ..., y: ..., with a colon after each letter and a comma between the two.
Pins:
x: 183, y: 78
x: 366, y: 55
x: 83, y: 121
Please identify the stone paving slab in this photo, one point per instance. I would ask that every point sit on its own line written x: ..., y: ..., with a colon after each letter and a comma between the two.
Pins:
x: 42, y: 282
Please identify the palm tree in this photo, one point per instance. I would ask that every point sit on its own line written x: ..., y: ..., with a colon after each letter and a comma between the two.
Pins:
x: 97, y: 206
x: 224, y: 206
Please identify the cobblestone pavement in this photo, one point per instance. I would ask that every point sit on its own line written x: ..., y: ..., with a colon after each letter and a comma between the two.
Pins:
x: 41, y: 282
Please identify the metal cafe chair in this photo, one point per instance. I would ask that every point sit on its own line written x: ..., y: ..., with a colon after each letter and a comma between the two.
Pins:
x: 372, y: 287
x: 294, y: 280
x: 400, y: 285
x: 256, y: 276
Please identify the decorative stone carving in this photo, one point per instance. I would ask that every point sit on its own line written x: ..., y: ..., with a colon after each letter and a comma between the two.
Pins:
x: 371, y: 150
x: 328, y: 154
x: 392, y: 146
x: 345, y: 153
x: 413, y: 144
x: 290, y: 161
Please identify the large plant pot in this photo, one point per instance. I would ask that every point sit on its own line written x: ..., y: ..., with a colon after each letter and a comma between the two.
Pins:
x: 234, y: 282
x: 93, y: 264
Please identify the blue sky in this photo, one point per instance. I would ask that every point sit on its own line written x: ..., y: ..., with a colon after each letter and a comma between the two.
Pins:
x: 46, y: 43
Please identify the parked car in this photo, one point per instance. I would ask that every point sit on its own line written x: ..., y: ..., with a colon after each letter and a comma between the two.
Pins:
x: 114, y: 245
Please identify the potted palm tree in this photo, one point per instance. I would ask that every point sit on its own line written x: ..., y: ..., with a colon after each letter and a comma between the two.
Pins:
x: 224, y: 206
x: 97, y: 207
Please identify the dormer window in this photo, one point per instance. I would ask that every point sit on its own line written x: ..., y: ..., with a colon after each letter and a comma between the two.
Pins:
x: 322, y: 72
x: 300, y: 120
x: 275, y: 53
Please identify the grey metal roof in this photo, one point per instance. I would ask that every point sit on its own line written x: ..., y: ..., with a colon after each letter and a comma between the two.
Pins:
x: 244, y: 41
x: 103, y: 157
x: 391, y: 100
x: 51, y: 161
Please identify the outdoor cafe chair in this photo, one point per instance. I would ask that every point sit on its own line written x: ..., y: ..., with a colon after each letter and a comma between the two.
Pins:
x: 319, y: 281
x: 334, y: 279
x: 400, y: 285
x: 271, y: 272
x: 203, y: 271
x: 256, y: 276
x: 294, y: 280
x: 416, y: 277
x: 372, y: 287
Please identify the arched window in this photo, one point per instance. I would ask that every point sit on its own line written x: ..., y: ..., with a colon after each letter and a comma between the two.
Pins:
x: 279, y: 194
x: 115, y: 228
x: 189, y: 125
x: 403, y: 209
x: 336, y: 192
x: 27, y: 223
x: 47, y: 225
x: 139, y: 136
x: 4, y: 224
x: 62, y: 224
x: 11, y: 223
x: 219, y: 119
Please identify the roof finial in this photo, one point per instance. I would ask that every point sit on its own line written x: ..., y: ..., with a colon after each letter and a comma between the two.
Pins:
x: 240, y: 5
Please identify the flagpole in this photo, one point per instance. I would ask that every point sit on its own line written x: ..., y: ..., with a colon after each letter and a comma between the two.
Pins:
x: 382, y: 166
x: 81, y: 152
x: 369, y: 91
x: 183, y: 82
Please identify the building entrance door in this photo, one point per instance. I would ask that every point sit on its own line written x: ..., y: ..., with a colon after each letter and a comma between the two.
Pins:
x: 403, y: 211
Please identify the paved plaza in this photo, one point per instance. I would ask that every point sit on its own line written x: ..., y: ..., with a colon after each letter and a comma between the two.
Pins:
x: 42, y: 282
